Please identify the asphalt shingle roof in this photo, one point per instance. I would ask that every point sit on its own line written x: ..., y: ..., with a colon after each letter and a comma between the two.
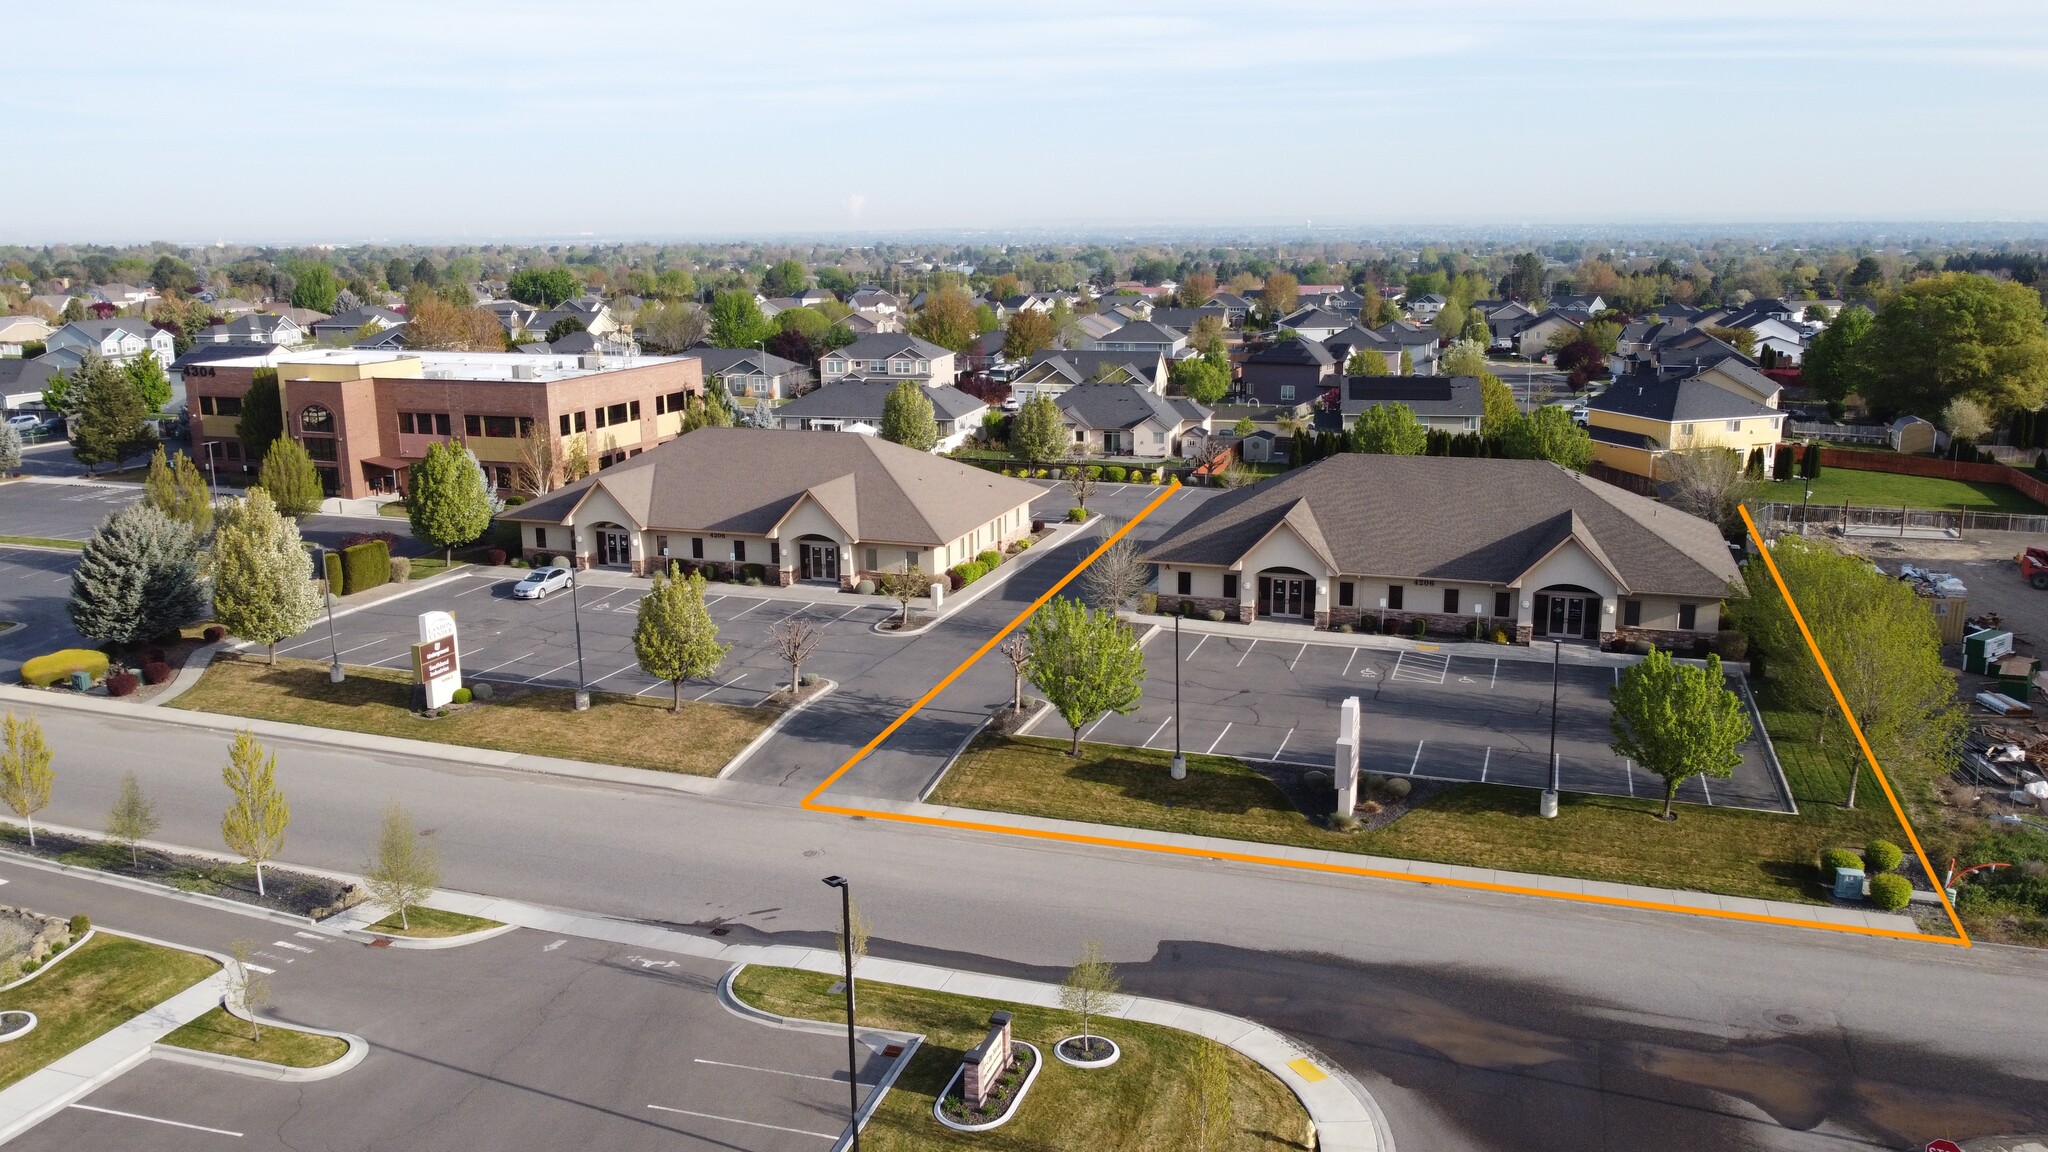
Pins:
x: 1675, y: 401
x: 1424, y: 395
x: 862, y: 399
x: 1122, y: 406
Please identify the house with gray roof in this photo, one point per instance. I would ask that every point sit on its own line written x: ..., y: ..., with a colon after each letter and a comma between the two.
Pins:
x: 1534, y: 336
x: 1129, y: 420
x: 1443, y: 403
x: 118, y: 340
x: 254, y: 328
x: 894, y: 355
x: 1640, y: 420
x: 1185, y: 319
x: 1353, y: 340
x: 856, y: 405
x: 1141, y: 336
x: 809, y: 507
x: 752, y: 373
x: 1235, y: 307
x: 1055, y: 370
x: 1520, y: 546
x: 347, y: 324
x: 1317, y: 323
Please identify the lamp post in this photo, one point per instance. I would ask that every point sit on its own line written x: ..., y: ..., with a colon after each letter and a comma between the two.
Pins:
x: 212, y: 475
x: 1179, y: 770
x: 576, y: 618
x: 335, y: 675
x: 852, y: 1061
x: 1547, y: 806
x: 1802, y: 507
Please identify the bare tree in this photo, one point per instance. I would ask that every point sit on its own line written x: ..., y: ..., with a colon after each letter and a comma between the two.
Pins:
x: 539, y: 471
x: 1017, y: 650
x: 1709, y: 483
x: 795, y: 639
x: 1091, y: 989
x: 1080, y: 483
x: 903, y: 585
x: 248, y: 986
x: 1234, y: 476
x: 1116, y: 578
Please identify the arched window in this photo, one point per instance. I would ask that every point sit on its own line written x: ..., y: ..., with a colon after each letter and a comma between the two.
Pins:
x: 316, y: 418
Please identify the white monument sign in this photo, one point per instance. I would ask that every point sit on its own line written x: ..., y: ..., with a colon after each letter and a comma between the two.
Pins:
x: 436, y: 659
x: 1344, y: 772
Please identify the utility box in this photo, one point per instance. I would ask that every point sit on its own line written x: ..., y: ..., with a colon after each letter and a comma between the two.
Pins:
x: 1848, y: 883
x: 1983, y: 648
x: 81, y: 681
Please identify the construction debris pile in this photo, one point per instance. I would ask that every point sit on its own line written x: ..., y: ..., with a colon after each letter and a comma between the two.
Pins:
x: 2004, y: 757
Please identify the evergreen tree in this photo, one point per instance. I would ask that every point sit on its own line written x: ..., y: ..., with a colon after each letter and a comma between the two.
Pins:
x: 290, y: 478
x: 262, y: 421
x: 176, y: 489
x: 907, y: 417
x: 255, y: 821
x: 675, y: 637
x: 111, y: 424
x: 448, y: 504
x: 10, y: 450
x: 137, y: 578
x: 262, y: 576
x: 1037, y: 433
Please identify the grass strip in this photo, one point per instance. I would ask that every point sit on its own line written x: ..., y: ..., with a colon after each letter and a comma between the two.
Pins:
x: 1148, y: 1101
x: 44, y: 542
x: 227, y: 1035
x: 634, y: 731
x: 433, y: 923
x: 102, y: 983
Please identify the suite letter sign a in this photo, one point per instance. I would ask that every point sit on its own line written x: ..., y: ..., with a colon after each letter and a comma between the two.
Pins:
x: 436, y: 659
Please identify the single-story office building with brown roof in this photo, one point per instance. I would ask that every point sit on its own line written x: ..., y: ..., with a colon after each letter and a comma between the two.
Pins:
x: 815, y: 507
x: 1521, y: 546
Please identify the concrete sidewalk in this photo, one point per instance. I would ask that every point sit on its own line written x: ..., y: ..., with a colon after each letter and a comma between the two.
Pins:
x: 1577, y: 654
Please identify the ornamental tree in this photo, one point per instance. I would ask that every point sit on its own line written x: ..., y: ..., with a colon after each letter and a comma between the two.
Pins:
x: 1548, y: 433
x: 907, y: 417
x: 291, y: 479
x: 1678, y: 720
x: 262, y: 576
x: 1390, y: 429
x: 1037, y: 433
x: 176, y: 488
x: 1088, y: 664
x: 675, y: 638
x: 447, y: 504
x: 253, y: 826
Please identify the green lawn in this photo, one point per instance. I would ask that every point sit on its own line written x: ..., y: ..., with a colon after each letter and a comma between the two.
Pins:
x: 432, y: 923
x: 1891, y: 490
x: 1719, y: 850
x: 228, y: 1035
x: 106, y: 981
x: 43, y: 542
x: 1145, y: 1102
x: 635, y: 731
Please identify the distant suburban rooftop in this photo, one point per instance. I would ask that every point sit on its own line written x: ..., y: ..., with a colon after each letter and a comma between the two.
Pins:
x: 457, y: 365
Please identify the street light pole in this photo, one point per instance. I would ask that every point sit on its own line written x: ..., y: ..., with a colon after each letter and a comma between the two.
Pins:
x: 576, y: 617
x: 335, y: 675
x: 1179, y: 770
x: 1547, y: 807
x: 852, y: 1060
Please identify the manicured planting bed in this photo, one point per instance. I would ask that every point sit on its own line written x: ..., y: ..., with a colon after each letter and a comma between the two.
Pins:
x: 99, y: 984
x: 432, y: 923
x: 634, y: 731
x: 284, y: 890
x: 228, y: 1035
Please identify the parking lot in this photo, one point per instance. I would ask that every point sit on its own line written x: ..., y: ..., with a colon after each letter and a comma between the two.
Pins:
x: 534, y: 641
x: 1427, y: 714
x: 35, y: 585
x: 61, y: 511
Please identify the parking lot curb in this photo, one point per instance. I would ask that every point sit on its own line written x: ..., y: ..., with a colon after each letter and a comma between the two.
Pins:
x: 358, y: 1050
x: 733, y: 765
x: 437, y: 943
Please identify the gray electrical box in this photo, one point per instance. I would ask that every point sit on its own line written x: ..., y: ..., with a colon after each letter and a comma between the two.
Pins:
x: 81, y: 681
x: 1848, y: 883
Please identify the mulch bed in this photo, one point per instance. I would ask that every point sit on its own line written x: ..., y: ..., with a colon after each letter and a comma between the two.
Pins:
x: 1001, y: 1100
x: 1319, y: 801
x: 285, y: 890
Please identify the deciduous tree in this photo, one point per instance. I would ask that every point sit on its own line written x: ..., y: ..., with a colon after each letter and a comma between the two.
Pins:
x: 1117, y: 576
x: 257, y: 815
x: 795, y: 639
x: 947, y: 319
x: 10, y: 450
x: 1678, y: 721
x: 1711, y: 483
x: 543, y: 287
x: 403, y: 872
x: 1087, y: 664
x: 262, y: 576
x: 1391, y: 429
x: 1497, y: 403
x: 671, y: 327
x: 178, y: 490
x: 291, y: 479
x: 674, y: 637
x: 1092, y: 988
x: 1464, y: 358
x: 1548, y: 433
x: 907, y: 417
x: 25, y: 772
x: 137, y: 578
x: 1203, y: 379
x: 248, y: 986
x: 111, y: 423
x: 1959, y: 334
x: 146, y: 375
x: 540, y: 464
x: 1837, y: 362
x: 902, y: 584
x: 1279, y: 295
x: 1028, y: 333
x: 132, y: 818
x: 736, y: 321
x: 437, y: 323
x: 1017, y: 650
x: 1037, y: 433
x: 1366, y: 362
x: 448, y: 504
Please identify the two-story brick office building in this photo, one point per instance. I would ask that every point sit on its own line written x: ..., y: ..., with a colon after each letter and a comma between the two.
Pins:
x: 367, y: 416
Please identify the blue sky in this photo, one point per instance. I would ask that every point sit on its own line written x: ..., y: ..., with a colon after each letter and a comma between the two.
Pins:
x: 448, y: 119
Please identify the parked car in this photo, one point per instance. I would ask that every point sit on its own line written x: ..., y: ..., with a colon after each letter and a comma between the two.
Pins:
x: 541, y: 581
x: 24, y: 422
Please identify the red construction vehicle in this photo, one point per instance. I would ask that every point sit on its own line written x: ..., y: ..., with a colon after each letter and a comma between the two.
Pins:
x: 2034, y: 567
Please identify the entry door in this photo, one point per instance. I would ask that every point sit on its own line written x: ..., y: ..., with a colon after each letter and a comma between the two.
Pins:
x: 613, y: 548
x: 1285, y: 596
x: 819, y: 562
x: 1574, y: 616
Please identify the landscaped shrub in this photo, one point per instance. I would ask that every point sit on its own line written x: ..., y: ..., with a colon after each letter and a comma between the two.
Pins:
x: 1043, y: 474
x: 1342, y: 628
x: 1148, y: 602
x: 43, y: 671
x: 1421, y: 629
x: 1037, y: 526
x: 80, y: 925
x: 365, y: 566
x: 463, y: 696
x: 1730, y: 644
x: 1215, y: 615
x: 1835, y: 859
x: 1882, y: 856
x: 122, y: 683
x: 757, y: 571
x: 1398, y: 787
x: 864, y: 588
x: 481, y: 690
x: 1187, y: 607
x: 1076, y: 515
x: 1500, y: 636
x: 401, y: 569
x: 988, y: 558
x: 336, y: 584
x: 214, y: 634
x: 1890, y: 891
x: 1115, y: 474
x: 1092, y: 471
x: 967, y: 573
x: 514, y: 501
x: 496, y: 556
x: 155, y: 672
x: 1021, y: 544
x: 1140, y: 476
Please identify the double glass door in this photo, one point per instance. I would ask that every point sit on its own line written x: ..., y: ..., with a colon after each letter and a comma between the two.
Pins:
x: 818, y: 561
x: 614, y: 548
x: 1286, y: 596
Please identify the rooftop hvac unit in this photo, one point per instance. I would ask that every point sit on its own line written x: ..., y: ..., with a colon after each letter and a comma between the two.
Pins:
x: 523, y: 372
x: 590, y: 360
x: 440, y: 374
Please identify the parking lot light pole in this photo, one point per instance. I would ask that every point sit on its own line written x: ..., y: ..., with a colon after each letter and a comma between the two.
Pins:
x: 1547, y: 806
x: 335, y: 675
x: 852, y: 1061
x: 1179, y: 770
x: 576, y: 618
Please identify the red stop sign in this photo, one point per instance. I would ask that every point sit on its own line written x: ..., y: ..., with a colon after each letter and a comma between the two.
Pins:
x: 1943, y: 1146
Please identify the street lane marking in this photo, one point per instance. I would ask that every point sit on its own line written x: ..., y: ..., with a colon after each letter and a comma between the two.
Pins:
x: 157, y: 1120
x: 289, y: 946
x: 748, y: 1123
x: 1283, y: 744
x: 770, y: 1071
x: 310, y: 936
x: 1219, y: 736
x: 553, y: 946
x: 260, y: 968
x: 845, y: 614
x: 1247, y: 652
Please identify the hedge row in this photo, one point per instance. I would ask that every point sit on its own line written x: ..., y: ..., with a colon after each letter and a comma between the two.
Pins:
x: 43, y: 671
x: 365, y: 566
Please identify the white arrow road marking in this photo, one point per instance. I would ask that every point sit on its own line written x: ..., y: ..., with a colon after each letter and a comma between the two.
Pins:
x: 553, y: 946
x: 644, y: 962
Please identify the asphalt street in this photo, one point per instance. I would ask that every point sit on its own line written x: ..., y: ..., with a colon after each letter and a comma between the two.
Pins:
x: 1480, y: 1021
x: 1426, y: 714
x: 525, y: 1041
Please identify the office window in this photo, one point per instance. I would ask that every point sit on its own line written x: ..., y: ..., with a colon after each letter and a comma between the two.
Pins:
x: 696, y: 547
x: 220, y: 405
x: 423, y: 423
x: 1632, y: 612
x: 540, y: 537
x: 600, y: 417
x: 614, y: 414
x: 1450, y: 599
x: 874, y: 561
x: 1688, y: 616
x: 504, y: 475
x: 1184, y: 583
x: 472, y: 426
x: 1393, y: 595
x: 1503, y: 604
x: 316, y: 418
x: 1230, y: 585
x: 775, y: 554
x: 320, y: 447
x: 661, y: 545
x: 503, y: 427
x: 910, y: 561
x: 564, y: 423
x: 1344, y: 594
x: 633, y: 410
x: 739, y: 551
x: 673, y: 402
x: 525, y: 427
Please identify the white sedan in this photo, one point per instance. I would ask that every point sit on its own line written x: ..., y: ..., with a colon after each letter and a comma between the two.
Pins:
x: 540, y: 582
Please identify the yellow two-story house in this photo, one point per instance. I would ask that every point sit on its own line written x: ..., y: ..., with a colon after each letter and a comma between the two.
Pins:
x: 1637, y: 422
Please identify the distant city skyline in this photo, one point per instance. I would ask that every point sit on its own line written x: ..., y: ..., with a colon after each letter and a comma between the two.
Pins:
x: 519, y: 121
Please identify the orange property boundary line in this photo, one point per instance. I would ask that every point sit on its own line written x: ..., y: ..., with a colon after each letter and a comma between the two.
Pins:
x: 811, y: 802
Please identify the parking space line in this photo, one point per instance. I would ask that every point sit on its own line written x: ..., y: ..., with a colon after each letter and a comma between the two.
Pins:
x: 1418, y: 758
x: 360, y: 647
x: 1488, y: 763
x: 1395, y: 672
x: 1156, y: 732
x: 727, y: 684
x: 609, y: 675
x: 1197, y: 647
x: 549, y: 672
x: 1347, y: 664
x: 844, y: 615
x: 1283, y: 744
x: 157, y: 1120
x: 1219, y: 737
x: 650, y: 688
x: 743, y: 612
x: 514, y: 660
x: 770, y: 1071
x: 1491, y: 680
x: 1628, y: 773
x: 748, y: 1123
x: 1297, y: 658
x: 1247, y: 652
x: 1709, y: 792
x: 467, y: 591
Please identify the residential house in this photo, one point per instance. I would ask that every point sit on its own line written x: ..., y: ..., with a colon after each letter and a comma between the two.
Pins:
x: 856, y: 405
x: 879, y: 301
x: 56, y: 302
x: 589, y: 344
x: 1504, y: 318
x: 1142, y: 336
x: 23, y: 382
x: 1585, y: 305
x: 593, y: 314
x: 16, y: 331
x: 1342, y: 301
x: 1782, y: 337
x: 1353, y: 340
x: 1235, y: 308
x: 515, y: 317
x: 120, y: 295
x: 1317, y: 323
x: 869, y: 324
x: 254, y: 328
x: 1450, y: 404
x: 1533, y: 338
x: 118, y: 340
x: 891, y: 356
x: 1424, y: 309
x: 752, y: 374
x: 1129, y: 420
x: 1638, y: 421
x: 346, y: 324
x: 388, y: 338
x: 1095, y: 325
x: 1288, y: 372
x: 795, y: 507
x: 1520, y: 546
x: 1418, y: 342
x: 1185, y: 319
x: 1052, y: 372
